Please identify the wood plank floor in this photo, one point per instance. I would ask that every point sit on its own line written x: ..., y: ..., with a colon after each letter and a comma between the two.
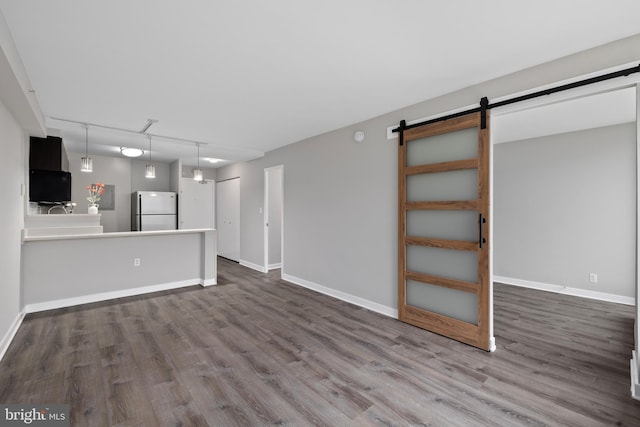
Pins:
x: 258, y: 351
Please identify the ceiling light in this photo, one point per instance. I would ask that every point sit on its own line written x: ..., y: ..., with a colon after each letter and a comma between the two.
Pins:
x: 86, y: 162
x: 197, y: 173
x: 131, y: 152
x: 150, y: 170
x: 212, y: 160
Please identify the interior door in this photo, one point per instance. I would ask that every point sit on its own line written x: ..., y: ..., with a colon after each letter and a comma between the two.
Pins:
x: 444, y: 282
x: 228, y: 218
x: 197, y: 204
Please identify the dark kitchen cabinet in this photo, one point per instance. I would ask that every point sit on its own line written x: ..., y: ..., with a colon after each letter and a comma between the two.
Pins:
x: 48, y: 154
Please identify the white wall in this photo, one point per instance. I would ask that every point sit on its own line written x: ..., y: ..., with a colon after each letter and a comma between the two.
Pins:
x: 341, y: 196
x: 12, y: 164
x: 564, y: 207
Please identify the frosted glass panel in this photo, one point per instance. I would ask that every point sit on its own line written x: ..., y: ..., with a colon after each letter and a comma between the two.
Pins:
x: 459, y: 145
x: 461, y: 265
x: 454, y: 225
x: 449, y: 302
x: 454, y: 185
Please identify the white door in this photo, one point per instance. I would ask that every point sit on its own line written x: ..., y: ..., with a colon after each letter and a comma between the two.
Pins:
x: 228, y: 218
x: 197, y: 204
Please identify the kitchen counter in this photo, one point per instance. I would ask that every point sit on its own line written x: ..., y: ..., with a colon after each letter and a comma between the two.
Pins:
x: 34, y: 238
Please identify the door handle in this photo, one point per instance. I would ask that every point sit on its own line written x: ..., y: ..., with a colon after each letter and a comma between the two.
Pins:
x: 481, y: 220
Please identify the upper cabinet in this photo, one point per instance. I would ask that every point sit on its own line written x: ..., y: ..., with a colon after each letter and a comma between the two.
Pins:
x: 48, y: 154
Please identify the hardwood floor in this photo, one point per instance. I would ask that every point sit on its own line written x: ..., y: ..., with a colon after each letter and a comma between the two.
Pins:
x: 257, y: 351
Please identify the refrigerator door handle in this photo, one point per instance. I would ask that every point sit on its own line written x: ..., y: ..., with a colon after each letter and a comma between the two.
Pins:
x: 139, y: 212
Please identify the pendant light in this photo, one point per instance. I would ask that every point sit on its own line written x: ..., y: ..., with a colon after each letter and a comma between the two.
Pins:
x: 86, y: 162
x: 150, y: 170
x: 197, y: 173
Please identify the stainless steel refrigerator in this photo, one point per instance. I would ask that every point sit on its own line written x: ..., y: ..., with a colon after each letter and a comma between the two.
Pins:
x: 154, y: 210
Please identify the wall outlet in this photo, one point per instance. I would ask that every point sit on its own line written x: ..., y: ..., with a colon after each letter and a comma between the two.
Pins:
x: 593, y: 277
x: 136, y: 262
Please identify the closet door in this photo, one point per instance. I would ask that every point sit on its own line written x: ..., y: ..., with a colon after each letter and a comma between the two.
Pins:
x: 228, y: 218
x: 444, y: 282
x: 197, y: 204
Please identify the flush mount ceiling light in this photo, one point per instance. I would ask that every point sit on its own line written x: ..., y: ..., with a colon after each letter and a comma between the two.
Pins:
x: 197, y: 173
x: 212, y: 160
x: 150, y: 170
x: 131, y: 152
x: 86, y: 162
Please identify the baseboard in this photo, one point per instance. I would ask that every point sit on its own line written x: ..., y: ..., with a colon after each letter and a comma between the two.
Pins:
x: 8, y: 337
x: 104, y: 296
x: 361, y: 302
x: 602, y: 296
x: 252, y: 266
x: 635, y: 384
x: 208, y: 282
x: 274, y: 266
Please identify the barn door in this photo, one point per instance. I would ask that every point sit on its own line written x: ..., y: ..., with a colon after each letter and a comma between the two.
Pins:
x: 444, y: 282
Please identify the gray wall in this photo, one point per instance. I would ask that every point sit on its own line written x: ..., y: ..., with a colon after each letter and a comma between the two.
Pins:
x: 12, y: 165
x: 207, y: 173
x: 564, y: 207
x: 107, y: 170
x: 90, y: 266
x: 126, y: 174
x: 160, y: 183
x: 340, y: 196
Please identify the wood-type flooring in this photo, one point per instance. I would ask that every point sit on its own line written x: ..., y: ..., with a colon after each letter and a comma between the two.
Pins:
x: 258, y: 351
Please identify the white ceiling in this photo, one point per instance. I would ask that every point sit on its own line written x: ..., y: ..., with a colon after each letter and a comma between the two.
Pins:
x: 602, y: 109
x: 246, y: 77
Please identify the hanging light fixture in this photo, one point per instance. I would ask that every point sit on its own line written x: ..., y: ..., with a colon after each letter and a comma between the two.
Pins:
x: 150, y: 170
x: 197, y: 173
x: 86, y: 162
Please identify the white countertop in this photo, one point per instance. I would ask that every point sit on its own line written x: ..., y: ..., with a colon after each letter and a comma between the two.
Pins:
x: 116, y: 235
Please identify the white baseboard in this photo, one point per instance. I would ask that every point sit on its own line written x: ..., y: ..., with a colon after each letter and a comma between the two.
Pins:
x: 361, y: 302
x: 635, y: 384
x: 602, y: 296
x: 8, y: 337
x: 86, y: 299
x: 208, y: 282
x: 275, y: 266
x: 252, y: 266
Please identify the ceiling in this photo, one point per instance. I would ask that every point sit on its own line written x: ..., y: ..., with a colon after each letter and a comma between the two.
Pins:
x: 594, y: 111
x: 246, y: 77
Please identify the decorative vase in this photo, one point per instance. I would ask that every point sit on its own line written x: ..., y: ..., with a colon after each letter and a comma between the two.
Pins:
x: 93, y: 209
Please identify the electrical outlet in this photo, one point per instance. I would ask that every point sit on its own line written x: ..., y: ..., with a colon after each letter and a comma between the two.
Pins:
x: 593, y: 277
x: 136, y: 262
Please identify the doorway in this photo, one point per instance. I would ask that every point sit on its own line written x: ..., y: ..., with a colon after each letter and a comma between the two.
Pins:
x: 228, y: 218
x: 273, y: 217
x: 564, y: 182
